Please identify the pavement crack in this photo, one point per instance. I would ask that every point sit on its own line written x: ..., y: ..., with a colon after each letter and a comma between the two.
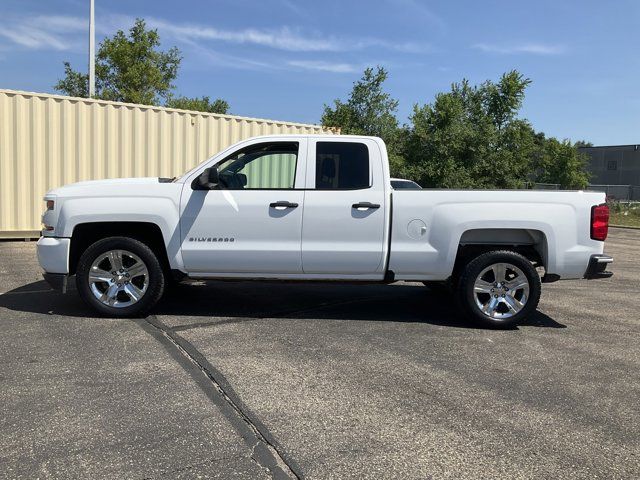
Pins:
x: 265, y: 451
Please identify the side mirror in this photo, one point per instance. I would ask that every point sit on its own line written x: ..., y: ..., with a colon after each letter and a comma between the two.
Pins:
x: 209, y: 178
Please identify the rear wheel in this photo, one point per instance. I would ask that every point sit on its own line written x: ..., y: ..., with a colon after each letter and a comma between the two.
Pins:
x: 120, y: 277
x: 499, y: 288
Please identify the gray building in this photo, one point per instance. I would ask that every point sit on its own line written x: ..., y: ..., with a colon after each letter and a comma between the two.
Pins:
x: 614, y: 165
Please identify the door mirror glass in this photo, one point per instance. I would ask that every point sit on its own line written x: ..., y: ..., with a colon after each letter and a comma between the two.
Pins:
x: 213, y: 175
x: 208, y: 179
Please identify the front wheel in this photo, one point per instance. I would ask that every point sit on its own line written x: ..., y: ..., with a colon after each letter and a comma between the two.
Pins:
x: 499, y: 288
x: 120, y: 277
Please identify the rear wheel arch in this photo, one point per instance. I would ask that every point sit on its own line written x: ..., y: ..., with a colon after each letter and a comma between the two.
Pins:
x: 530, y: 243
x: 86, y: 234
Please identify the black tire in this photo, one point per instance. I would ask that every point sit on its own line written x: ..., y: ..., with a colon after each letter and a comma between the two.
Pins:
x: 156, y: 280
x: 467, y: 296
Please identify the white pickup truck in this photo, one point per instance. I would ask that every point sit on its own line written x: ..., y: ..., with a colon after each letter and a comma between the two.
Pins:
x: 316, y: 207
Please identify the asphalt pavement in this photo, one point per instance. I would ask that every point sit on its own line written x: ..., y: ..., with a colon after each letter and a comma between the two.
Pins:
x: 286, y: 380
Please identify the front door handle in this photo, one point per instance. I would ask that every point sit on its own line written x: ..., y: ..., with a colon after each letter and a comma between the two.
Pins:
x: 363, y: 205
x: 281, y: 205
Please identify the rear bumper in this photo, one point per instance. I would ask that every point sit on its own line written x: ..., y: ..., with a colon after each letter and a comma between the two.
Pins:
x: 57, y: 281
x: 598, y: 267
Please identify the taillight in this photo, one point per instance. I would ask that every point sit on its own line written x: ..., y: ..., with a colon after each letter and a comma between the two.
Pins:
x: 599, y: 222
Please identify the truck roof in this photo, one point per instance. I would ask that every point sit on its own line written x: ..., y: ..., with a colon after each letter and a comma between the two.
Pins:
x: 314, y: 135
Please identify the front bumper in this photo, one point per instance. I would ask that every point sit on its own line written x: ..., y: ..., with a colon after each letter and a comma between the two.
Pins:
x: 598, y: 267
x: 53, y: 257
x: 53, y: 254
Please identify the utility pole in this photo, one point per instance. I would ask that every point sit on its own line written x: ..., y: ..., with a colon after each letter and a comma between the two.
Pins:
x: 92, y: 54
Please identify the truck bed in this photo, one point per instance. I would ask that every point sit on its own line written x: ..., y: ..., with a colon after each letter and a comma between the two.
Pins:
x: 434, y: 223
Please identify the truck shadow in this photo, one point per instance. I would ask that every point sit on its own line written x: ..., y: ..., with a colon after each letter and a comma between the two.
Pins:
x: 214, y: 302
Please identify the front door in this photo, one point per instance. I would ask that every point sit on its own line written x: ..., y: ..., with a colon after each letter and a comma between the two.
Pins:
x: 251, y: 222
x: 345, y: 207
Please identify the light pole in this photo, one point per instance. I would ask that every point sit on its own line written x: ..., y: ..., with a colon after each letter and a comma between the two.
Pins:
x: 92, y: 54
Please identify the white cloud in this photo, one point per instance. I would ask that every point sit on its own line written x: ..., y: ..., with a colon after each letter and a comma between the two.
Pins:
x: 530, y: 48
x: 216, y: 58
x: 403, y: 47
x: 325, y: 66
x: 61, y: 23
x: 33, y: 38
x: 59, y: 32
x: 64, y: 33
x: 213, y: 57
x: 283, y: 38
x: 40, y: 33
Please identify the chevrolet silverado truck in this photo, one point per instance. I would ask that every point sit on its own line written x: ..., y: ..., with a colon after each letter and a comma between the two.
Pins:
x: 311, y: 208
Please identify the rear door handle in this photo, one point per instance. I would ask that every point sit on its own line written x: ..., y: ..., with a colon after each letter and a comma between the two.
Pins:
x: 365, y: 205
x: 281, y: 205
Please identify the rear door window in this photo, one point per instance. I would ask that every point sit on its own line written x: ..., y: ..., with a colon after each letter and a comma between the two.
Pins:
x: 342, y: 166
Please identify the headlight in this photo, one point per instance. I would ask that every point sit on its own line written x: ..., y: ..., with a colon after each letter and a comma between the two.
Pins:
x: 48, y: 216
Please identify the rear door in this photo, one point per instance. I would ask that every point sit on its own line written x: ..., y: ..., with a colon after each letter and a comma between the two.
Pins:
x: 345, y: 208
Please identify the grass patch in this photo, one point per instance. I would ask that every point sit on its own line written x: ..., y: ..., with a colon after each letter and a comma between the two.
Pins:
x: 625, y: 214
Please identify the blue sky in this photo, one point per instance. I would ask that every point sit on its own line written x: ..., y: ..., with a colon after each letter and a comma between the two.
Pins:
x: 284, y: 59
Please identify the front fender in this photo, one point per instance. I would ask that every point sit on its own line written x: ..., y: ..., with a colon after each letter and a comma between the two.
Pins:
x: 161, y: 211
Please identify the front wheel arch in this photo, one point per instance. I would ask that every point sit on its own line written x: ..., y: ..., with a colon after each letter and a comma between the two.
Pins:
x: 86, y: 234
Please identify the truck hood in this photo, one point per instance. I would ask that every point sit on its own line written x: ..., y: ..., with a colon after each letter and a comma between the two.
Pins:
x: 111, y: 185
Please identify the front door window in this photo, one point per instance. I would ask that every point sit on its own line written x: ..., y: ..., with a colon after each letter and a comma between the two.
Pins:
x: 260, y: 167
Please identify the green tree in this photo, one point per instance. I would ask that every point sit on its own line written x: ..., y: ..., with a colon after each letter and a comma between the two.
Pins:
x: 74, y: 84
x: 560, y: 162
x: 130, y: 67
x: 203, y: 104
x: 369, y: 110
x: 470, y: 137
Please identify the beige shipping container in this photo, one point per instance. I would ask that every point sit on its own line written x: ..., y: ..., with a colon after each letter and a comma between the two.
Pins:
x: 50, y: 140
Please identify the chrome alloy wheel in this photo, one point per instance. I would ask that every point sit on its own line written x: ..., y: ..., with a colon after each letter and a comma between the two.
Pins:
x: 118, y: 278
x: 501, y: 291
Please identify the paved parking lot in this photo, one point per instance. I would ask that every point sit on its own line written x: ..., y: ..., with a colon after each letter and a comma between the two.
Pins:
x: 252, y: 380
